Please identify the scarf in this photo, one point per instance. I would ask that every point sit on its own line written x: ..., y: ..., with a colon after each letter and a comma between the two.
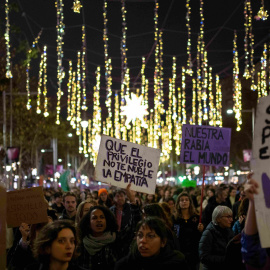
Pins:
x: 95, y: 244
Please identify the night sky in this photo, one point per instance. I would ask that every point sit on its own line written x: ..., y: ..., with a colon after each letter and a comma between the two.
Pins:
x: 221, y: 18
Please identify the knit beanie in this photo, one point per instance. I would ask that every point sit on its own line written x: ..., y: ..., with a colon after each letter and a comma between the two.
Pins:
x: 102, y: 190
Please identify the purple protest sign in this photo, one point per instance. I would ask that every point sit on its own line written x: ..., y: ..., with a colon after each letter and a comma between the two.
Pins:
x: 205, y: 145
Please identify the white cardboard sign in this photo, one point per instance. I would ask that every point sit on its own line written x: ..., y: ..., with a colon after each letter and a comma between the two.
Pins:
x: 260, y: 165
x: 120, y: 163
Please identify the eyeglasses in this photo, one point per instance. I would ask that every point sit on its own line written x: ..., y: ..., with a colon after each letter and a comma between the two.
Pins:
x: 148, y: 236
x: 229, y: 217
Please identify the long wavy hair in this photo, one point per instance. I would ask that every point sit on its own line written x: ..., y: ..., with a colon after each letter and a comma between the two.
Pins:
x: 192, y: 211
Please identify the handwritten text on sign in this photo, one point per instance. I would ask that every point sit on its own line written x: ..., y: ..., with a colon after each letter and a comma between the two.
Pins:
x: 260, y: 166
x: 205, y: 145
x: 26, y: 205
x: 120, y: 162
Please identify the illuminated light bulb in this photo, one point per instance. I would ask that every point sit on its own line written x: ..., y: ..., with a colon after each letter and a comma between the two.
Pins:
x: 77, y: 6
x: 262, y: 13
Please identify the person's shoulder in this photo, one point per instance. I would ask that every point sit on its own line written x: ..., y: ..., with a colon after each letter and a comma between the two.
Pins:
x: 209, y: 228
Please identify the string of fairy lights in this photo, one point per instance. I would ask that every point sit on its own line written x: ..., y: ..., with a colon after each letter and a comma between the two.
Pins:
x: 28, y: 105
x: 7, y: 39
x: 108, y: 76
x: 189, y: 61
x: 60, y: 29
x: 152, y: 125
x: 249, y: 71
x: 237, y: 88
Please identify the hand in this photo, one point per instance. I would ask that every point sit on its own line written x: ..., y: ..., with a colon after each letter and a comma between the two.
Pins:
x: 130, y: 194
x: 200, y: 227
x: 25, y: 230
x: 251, y: 187
x: 241, y: 219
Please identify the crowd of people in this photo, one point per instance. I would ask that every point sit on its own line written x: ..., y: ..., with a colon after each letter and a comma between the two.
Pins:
x: 121, y: 229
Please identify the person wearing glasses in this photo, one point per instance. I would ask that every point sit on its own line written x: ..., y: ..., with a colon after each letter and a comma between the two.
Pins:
x: 214, y: 240
x: 150, y: 249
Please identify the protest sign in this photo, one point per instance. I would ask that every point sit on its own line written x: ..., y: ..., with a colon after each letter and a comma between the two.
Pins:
x: 26, y: 205
x: 205, y: 145
x: 120, y: 163
x: 3, y: 207
x: 260, y: 165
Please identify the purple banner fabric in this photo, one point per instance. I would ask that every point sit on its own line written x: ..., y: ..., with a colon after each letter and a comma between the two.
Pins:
x: 205, y: 145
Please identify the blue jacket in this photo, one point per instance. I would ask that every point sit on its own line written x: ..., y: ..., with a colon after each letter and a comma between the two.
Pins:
x: 253, y: 254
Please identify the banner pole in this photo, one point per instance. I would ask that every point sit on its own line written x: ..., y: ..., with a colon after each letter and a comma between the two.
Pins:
x: 202, y: 194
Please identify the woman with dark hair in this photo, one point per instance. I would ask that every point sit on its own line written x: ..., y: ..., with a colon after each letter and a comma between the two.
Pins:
x: 97, y: 235
x: 150, y: 250
x: 188, y: 229
x: 150, y: 198
x: 230, y: 200
x: 155, y: 210
x: 54, y: 247
x: 210, y: 192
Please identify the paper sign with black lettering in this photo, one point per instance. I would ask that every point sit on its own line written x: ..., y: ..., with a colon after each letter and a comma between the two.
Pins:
x: 26, y: 205
x: 260, y: 165
x: 120, y: 163
x: 205, y: 145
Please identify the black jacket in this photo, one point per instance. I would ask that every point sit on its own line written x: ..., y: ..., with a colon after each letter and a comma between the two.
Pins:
x: 165, y: 260
x: 188, y: 236
x: 66, y: 216
x: 212, y: 247
x: 130, y: 217
x: 208, y: 211
x: 21, y: 258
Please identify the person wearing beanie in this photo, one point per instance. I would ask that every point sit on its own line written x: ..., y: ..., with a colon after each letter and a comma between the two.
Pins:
x: 103, y: 198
